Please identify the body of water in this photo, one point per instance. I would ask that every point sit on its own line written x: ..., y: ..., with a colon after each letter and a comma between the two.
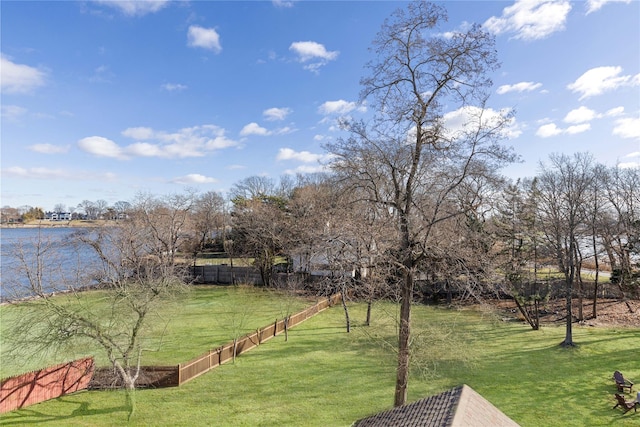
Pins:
x: 26, y: 252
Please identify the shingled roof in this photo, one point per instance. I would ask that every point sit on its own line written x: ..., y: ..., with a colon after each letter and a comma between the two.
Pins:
x: 459, y: 407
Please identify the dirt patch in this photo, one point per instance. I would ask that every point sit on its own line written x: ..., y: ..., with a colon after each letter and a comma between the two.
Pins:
x: 609, y: 312
x: 150, y: 377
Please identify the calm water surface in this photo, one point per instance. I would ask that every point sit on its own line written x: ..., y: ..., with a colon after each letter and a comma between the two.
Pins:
x: 58, y: 261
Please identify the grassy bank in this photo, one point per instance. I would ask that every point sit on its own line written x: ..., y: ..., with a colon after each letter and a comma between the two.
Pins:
x: 325, y: 377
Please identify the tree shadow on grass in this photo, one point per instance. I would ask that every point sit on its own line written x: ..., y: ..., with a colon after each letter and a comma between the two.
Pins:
x: 30, y: 415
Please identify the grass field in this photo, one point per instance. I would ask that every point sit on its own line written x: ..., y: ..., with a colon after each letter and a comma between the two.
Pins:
x: 325, y: 377
x: 206, y: 317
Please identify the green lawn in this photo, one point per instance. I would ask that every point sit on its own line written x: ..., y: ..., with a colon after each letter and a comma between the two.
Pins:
x: 206, y: 317
x: 325, y: 377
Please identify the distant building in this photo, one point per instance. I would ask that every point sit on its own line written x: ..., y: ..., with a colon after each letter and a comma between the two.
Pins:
x: 57, y: 216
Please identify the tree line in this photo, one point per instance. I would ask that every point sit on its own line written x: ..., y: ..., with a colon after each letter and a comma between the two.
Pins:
x: 85, y: 210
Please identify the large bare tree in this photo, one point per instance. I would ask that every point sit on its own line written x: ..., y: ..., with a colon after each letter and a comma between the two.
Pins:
x: 167, y: 219
x: 414, y: 155
x: 564, y: 184
x: 259, y: 230
x: 208, y: 218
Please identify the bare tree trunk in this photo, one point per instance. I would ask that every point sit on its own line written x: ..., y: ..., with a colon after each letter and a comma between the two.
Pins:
x: 569, y: 278
x: 403, y: 339
x: 568, y: 339
x: 368, y: 321
x: 578, y: 257
x: 595, y: 282
x: 346, y: 309
x: 129, y: 382
x: 525, y: 313
x: 286, y: 328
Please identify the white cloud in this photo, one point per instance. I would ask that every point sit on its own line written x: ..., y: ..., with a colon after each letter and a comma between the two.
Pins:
x: 206, y: 38
x: 583, y: 115
x: 174, y: 87
x: 518, y: 87
x: 273, y: 114
x: 599, y: 80
x: 194, y: 178
x: 236, y: 167
x: 138, y: 133
x: 339, y: 107
x: 468, y: 118
x: 101, y: 147
x: 145, y: 149
x: 135, y: 7
x: 283, y: 131
x: 627, y: 127
x: 35, y: 173
x: 300, y: 156
x: 19, y: 78
x: 313, y: 54
x: 628, y: 165
x: 594, y: 5
x: 195, y: 141
x: 49, y: 148
x: 307, y: 169
x: 580, y: 115
x: 631, y: 164
x: 583, y: 127
x: 530, y: 19
x: 309, y: 50
x: 312, y: 162
x: 548, y: 130
x: 254, y: 129
x: 551, y: 129
x: 56, y: 174
x: 13, y: 112
x: 614, y: 112
x: 282, y: 3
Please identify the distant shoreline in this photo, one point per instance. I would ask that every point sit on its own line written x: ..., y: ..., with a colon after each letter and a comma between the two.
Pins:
x: 74, y: 223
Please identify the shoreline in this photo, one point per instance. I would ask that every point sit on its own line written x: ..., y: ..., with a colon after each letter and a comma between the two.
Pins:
x: 74, y: 223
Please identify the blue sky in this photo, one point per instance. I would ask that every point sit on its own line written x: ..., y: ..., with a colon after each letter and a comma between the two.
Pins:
x: 105, y: 99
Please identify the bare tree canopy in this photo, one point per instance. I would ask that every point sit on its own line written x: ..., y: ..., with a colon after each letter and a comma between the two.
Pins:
x: 415, y: 159
x: 252, y: 187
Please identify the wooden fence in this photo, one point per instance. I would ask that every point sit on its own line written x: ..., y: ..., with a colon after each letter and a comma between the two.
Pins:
x: 48, y: 383
x: 174, y: 376
x: 225, y: 274
x: 216, y: 357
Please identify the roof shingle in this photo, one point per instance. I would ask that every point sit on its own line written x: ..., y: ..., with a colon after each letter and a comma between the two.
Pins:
x: 459, y: 407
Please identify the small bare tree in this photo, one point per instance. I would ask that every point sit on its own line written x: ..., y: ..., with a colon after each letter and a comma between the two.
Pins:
x: 132, y: 282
